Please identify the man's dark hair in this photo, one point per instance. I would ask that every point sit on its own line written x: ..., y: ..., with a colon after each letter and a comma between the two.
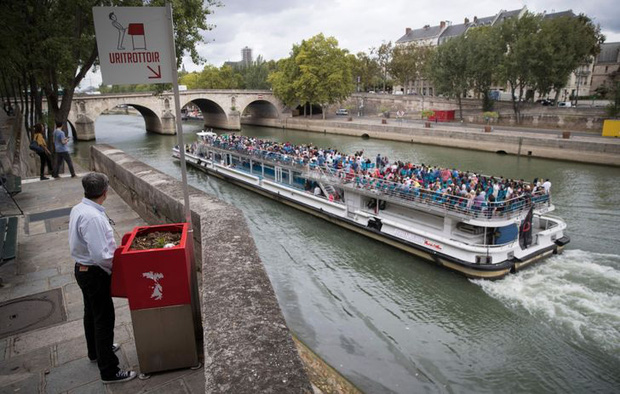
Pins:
x: 58, y: 124
x: 95, y: 184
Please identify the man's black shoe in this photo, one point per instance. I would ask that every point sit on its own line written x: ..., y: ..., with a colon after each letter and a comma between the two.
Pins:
x: 121, y: 376
x: 44, y: 178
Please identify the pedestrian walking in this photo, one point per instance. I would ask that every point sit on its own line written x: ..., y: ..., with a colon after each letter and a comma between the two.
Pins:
x: 92, y: 245
x: 62, y: 151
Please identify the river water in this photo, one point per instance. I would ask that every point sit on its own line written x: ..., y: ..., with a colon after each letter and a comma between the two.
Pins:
x: 391, y: 322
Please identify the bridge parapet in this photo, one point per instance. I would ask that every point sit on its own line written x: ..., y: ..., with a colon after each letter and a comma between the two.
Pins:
x: 221, y: 109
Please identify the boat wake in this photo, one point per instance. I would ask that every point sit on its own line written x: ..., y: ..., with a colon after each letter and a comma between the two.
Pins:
x: 576, y: 292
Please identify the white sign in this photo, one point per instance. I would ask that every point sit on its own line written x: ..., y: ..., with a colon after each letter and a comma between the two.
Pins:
x: 134, y: 44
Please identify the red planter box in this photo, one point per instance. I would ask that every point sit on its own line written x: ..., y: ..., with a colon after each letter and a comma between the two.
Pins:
x: 153, y: 278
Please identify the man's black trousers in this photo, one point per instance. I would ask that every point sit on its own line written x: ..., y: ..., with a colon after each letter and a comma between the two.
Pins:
x: 98, y: 318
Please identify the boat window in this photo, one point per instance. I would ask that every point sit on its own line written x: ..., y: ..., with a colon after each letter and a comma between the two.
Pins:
x: 299, y: 181
x: 470, y: 229
x: 506, y: 234
x: 270, y: 172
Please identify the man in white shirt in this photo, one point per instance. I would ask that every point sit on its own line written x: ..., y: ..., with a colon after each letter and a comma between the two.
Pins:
x: 547, y: 186
x: 92, y: 245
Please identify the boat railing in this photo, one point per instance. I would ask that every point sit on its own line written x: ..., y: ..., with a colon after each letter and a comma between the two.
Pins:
x: 391, y: 191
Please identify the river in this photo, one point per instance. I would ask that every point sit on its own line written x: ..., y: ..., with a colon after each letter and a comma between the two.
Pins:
x: 391, y: 322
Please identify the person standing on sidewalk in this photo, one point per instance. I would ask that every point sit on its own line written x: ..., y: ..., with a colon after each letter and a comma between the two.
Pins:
x: 92, y: 245
x: 44, y: 153
x: 62, y: 151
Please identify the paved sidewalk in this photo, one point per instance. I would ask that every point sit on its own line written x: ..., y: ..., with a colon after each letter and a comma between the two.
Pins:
x: 53, y: 359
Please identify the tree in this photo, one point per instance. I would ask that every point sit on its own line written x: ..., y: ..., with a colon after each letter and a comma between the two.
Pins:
x: 317, y: 72
x: 325, y: 71
x: 282, y: 80
x: 563, y: 44
x: 613, y: 109
x: 484, y: 52
x: 255, y: 75
x: 518, y: 39
x: 408, y: 63
x: 449, y: 72
x: 383, y: 56
x: 366, y: 68
x: 55, y: 42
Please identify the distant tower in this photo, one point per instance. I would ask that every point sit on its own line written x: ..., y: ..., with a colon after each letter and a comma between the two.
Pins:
x: 246, y: 56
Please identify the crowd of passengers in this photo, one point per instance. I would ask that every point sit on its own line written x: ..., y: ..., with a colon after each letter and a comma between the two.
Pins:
x: 407, y: 180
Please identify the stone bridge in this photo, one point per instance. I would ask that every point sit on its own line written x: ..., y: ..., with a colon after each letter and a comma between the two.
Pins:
x: 220, y: 109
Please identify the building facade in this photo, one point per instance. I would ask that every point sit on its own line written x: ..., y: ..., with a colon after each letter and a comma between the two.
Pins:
x: 581, y: 81
x: 606, y: 69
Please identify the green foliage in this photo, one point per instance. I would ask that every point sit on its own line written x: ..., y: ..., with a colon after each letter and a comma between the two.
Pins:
x: 317, y: 72
x: 367, y: 69
x: 51, y: 44
x: 562, y: 45
x: 613, y: 109
x: 490, y: 116
x: 383, y: 57
x: 427, y: 113
x: 447, y: 68
x: 408, y: 62
x: 212, y: 77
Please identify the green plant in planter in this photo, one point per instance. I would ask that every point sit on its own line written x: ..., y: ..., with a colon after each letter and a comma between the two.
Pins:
x: 490, y: 116
x: 427, y: 113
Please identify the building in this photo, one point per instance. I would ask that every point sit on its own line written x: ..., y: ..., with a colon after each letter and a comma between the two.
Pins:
x: 606, y: 70
x: 579, y: 82
x: 246, y: 59
x: 246, y: 56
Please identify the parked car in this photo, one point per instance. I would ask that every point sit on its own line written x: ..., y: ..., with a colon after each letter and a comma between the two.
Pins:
x: 545, y: 102
x: 342, y: 111
x: 565, y: 104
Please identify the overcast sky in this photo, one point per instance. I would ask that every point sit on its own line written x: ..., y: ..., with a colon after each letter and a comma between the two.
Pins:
x: 271, y: 27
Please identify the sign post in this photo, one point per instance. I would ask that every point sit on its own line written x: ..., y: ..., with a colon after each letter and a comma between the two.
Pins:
x: 136, y: 46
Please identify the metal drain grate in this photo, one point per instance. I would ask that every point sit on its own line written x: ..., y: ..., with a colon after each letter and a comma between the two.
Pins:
x: 31, y: 312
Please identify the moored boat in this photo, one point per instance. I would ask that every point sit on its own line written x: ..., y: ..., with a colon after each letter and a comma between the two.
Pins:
x: 421, y: 209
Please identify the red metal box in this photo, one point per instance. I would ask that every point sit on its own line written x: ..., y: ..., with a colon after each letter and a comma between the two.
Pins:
x: 152, y: 278
x: 443, y: 115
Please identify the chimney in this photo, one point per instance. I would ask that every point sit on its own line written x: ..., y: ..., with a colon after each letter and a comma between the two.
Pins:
x: 466, y: 21
x: 442, y: 24
x: 475, y: 19
x: 407, y: 30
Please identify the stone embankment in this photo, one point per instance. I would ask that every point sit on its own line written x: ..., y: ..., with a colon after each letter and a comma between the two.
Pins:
x: 247, y: 345
x: 595, y: 150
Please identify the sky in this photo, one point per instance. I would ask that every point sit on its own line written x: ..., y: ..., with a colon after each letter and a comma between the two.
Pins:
x: 271, y: 27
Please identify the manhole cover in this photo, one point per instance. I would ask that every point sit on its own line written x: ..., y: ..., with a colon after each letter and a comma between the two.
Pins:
x: 31, y: 312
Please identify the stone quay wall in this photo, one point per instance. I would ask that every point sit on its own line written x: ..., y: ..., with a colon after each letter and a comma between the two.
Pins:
x: 581, y: 149
x: 247, y: 345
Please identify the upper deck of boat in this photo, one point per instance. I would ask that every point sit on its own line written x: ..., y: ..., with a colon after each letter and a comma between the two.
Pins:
x: 417, y: 198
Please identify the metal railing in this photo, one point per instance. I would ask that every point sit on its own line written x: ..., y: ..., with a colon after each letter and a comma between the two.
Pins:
x: 377, y: 188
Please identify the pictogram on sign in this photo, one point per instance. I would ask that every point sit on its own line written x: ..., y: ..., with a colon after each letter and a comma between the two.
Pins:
x: 134, y: 44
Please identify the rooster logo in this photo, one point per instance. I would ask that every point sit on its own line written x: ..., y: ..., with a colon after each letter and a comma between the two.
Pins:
x: 158, y: 293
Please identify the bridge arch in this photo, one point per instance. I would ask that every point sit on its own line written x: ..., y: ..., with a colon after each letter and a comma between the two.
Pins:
x: 260, y: 109
x: 212, y: 112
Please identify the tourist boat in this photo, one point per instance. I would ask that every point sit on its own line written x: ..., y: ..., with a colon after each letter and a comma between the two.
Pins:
x: 487, y: 242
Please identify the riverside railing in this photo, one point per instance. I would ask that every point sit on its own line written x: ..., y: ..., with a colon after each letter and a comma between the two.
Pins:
x: 390, y: 191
